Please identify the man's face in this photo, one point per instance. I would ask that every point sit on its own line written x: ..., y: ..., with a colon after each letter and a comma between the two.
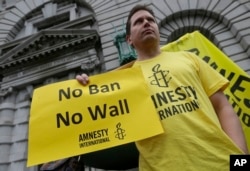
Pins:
x: 143, y: 29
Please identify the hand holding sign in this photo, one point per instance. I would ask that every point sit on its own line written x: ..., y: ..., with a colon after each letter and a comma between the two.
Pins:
x: 108, y: 112
x: 83, y: 79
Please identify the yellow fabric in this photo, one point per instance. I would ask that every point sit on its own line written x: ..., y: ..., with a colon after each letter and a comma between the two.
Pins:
x: 239, y: 87
x: 238, y: 90
x: 193, y: 139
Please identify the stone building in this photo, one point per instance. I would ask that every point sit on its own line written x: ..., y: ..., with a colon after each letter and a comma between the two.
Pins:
x: 46, y: 41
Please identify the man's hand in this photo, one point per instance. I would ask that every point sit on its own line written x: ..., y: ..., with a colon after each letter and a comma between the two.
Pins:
x: 83, y: 79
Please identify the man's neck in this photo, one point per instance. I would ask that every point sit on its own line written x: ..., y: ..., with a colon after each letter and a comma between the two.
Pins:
x: 148, y: 53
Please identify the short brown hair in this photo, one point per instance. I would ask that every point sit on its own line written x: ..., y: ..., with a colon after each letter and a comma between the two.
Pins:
x: 133, y: 11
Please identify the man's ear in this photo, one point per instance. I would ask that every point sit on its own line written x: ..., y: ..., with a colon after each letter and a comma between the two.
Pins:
x: 129, y: 41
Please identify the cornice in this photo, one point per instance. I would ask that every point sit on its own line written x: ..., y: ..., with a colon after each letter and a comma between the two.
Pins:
x: 44, y: 43
x: 49, y: 67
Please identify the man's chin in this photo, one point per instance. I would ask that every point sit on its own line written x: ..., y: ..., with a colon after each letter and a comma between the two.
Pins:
x: 149, y: 38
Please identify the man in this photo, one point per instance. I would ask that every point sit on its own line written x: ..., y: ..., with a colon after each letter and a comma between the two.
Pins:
x: 201, y: 128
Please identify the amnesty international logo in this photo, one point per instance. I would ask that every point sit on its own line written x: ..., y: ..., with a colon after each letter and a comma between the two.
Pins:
x: 159, y: 77
x: 119, y: 133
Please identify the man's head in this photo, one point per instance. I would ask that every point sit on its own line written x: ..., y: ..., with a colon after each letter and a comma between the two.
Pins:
x: 142, y: 31
x: 133, y: 11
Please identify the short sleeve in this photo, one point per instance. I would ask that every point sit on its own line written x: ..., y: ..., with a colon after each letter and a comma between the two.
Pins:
x: 211, y: 80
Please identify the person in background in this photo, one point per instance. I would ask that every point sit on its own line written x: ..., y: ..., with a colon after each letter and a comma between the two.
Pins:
x: 73, y: 164
x: 201, y: 129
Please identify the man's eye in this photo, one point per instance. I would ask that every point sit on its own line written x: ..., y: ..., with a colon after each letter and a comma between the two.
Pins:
x: 151, y: 20
x: 138, y: 22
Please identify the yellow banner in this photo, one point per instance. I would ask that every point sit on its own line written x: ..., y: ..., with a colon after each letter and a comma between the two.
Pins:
x: 238, y: 91
x: 68, y: 119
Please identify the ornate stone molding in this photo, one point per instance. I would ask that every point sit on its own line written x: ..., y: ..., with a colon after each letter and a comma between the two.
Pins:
x: 5, y: 92
x: 44, y: 43
x: 46, y: 54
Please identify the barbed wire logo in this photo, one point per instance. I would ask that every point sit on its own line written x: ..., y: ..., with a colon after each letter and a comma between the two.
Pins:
x: 120, y: 133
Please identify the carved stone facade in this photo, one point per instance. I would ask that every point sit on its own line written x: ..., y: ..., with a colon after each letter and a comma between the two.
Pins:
x: 46, y: 41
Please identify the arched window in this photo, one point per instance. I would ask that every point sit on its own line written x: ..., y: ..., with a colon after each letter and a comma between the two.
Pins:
x: 61, y: 15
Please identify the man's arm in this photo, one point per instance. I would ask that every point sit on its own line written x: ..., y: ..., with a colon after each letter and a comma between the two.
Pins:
x: 229, y: 121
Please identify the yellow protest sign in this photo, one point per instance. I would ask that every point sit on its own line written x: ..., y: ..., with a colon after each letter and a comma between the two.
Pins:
x: 238, y: 91
x: 68, y: 119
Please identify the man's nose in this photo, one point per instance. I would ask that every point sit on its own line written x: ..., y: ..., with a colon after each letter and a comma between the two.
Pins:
x: 146, y: 23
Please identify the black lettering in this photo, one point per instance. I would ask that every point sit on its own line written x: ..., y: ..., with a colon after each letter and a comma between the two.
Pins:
x: 65, y: 94
x: 246, y: 119
x: 93, y: 89
x: 114, y: 110
x: 85, y: 136
x: 179, y: 107
x: 214, y: 65
x: 168, y: 112
x: 189, y: 88
x: 170, y: 96
x: 115, y: 86
x: 65, y: 120
x: 206, y: 59
x: 195, y: 51
x: 77, y: 92
x: 174, y: 110
x: 155, y: 103
x: 229, y: 77
x: 161, y: 114
x: 194, y: 104
x: 104, y: 89
x: 80, y: 138
x: 76, y: 118
x: 193, y: 91
x: 126, y: 105
x: 90, y: 135
x: 98, y: 111
x: 179, y: 92
x: 237, y: 87
x: 161, y: 98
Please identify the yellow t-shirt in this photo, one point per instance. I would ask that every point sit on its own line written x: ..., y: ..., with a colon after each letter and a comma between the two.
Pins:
x: 180, y: 85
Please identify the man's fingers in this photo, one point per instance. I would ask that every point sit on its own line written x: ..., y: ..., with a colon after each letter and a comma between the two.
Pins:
x: 83, y: 78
